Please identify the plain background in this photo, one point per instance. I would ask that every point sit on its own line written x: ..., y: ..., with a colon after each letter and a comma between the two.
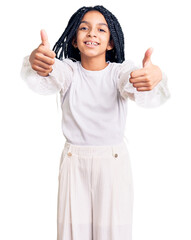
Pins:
x: 158, y: 139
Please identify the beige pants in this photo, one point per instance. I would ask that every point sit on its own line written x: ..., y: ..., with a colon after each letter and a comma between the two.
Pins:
x: 95, y: 195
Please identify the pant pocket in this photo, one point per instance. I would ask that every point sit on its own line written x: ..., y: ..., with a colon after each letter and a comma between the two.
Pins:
x: 63, y: 159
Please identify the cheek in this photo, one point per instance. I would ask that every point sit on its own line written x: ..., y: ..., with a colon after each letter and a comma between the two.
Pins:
x: 79, y: 44
x: 107, y: 38
x: 79, y: 39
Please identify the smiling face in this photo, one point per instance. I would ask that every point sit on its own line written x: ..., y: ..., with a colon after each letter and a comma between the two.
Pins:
x: 93, y: 36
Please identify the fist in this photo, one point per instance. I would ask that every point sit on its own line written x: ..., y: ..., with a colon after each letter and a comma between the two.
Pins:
x: 146, y: 78
x: 42, y: 58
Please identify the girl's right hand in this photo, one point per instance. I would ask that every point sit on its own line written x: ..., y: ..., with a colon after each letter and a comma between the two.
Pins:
x: 42, y: 58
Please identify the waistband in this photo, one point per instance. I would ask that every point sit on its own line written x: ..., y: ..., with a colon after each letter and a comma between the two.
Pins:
x: 103, y: 150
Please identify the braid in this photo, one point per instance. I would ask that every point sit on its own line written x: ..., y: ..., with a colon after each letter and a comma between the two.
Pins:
x: 117, y: 35
x: 64, y: 43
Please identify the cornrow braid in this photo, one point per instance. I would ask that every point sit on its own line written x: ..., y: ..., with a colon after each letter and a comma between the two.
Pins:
x: 64, y: 43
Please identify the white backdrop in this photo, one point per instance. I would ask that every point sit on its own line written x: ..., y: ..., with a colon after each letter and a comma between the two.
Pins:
x: 158, y: 139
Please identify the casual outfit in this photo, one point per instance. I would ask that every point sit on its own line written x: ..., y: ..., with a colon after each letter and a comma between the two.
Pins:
x: 95, y: 196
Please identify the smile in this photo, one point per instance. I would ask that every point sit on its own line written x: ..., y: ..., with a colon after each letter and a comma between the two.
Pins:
x: 91, y: 43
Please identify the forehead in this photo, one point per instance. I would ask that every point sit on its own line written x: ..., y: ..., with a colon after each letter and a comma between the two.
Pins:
x: 94, y: 16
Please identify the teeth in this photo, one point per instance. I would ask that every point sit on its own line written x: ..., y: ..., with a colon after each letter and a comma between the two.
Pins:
x: 91, y: 43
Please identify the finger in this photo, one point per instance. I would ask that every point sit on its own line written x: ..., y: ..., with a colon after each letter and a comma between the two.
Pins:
x: 40, y: 69
x: 43, y: 74
x: 147, y: 57
x: 146, y: 88
x: 139, y: 79
x: 139, y: 73
x: 45, y: 59
x: 45, y: 51
x: 42, y: 65
x: 44, y: 38
x: 143, y: 89
x: 138, y: 85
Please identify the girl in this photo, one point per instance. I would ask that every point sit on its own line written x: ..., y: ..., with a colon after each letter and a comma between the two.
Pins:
x: 95, y: 196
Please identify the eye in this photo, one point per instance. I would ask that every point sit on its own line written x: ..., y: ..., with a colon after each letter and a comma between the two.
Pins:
x: 83, y: 28
x: 101, y: 30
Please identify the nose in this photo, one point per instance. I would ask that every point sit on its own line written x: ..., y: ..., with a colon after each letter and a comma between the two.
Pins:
x: 92, y: 33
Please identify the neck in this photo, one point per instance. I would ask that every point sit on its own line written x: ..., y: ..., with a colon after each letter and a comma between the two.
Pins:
x: 93, y: 64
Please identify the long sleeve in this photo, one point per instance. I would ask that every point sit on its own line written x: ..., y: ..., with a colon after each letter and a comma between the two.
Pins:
x: 58, y: 80
x: 148, y: 99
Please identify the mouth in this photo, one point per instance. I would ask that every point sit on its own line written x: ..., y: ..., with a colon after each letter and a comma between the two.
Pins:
x: 89, y: 43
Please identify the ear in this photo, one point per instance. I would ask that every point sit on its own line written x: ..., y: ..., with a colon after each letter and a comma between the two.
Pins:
x: 74, y: 42
x: 110, y: 45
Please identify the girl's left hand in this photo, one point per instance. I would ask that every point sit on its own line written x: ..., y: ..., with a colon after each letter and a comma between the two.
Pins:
x: 148, y: 77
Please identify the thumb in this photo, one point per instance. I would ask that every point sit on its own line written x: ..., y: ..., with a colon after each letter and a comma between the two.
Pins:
x: 147, y: 57
x: 44, y: 38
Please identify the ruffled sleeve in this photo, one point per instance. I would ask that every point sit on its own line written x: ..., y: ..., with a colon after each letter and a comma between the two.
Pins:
x: 58, y: 80
x: 148, y: 99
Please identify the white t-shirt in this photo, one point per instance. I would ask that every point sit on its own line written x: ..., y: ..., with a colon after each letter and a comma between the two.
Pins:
x: 94, y: 103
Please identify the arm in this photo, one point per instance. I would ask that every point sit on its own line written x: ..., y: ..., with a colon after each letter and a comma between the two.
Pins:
x: 59, y: 78
x: 146, y: 86
x: 43, y: 73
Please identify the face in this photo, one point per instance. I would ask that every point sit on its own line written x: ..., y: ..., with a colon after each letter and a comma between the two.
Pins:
x: 93, y: 36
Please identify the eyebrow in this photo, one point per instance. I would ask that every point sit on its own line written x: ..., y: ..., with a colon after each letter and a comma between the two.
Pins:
x: 97, y: 24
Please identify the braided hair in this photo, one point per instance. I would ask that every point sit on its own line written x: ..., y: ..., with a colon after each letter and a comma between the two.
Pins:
x: 64, y: 43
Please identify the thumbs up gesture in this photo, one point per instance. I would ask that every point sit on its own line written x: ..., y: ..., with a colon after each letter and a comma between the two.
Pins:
x: 42, y: 58
x: 146, y: 78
